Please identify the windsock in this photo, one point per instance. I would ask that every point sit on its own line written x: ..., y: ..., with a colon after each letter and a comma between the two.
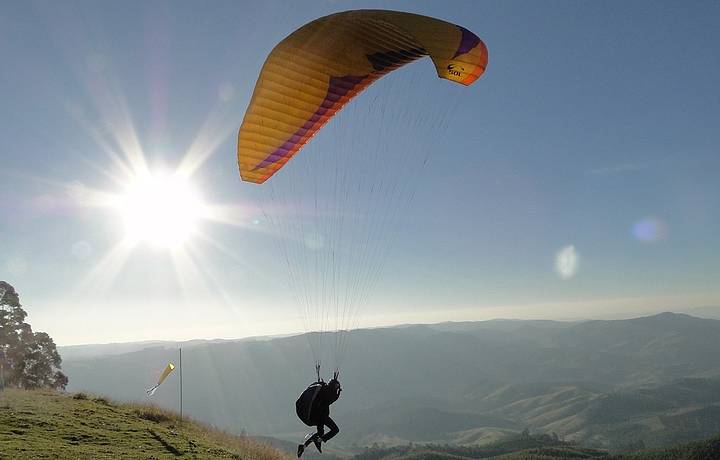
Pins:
x: 168, y: 369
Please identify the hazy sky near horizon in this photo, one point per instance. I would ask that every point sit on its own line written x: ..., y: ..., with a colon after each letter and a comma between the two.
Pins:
x: 588, y: 184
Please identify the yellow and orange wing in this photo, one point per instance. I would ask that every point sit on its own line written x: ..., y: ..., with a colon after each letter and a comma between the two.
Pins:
x: 320, y: 67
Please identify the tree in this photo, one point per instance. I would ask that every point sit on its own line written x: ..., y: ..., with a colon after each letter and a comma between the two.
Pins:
x: 30, y: 359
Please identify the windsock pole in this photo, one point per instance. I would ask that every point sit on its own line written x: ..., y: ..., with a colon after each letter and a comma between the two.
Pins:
x: 181, y: 387
x: 2, y: 355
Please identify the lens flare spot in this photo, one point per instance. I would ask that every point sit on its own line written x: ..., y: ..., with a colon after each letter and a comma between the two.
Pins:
x: 16, y: 266
x: 315, y: 241
x: 650, y: 230
x: 81, y: 250
x: 226, y: 92
x: 567, y: 262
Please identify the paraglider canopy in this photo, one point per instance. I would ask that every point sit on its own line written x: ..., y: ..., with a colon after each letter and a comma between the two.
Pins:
x: 334, y: 212
x: 320, y: 67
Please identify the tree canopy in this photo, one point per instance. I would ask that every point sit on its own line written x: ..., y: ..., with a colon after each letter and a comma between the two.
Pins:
x: 29, y: 359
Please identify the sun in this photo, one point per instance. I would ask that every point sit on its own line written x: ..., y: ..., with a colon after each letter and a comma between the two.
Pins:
x: 161, y: 210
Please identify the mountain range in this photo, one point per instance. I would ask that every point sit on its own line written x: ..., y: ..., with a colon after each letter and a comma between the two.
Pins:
x: 607, y: 384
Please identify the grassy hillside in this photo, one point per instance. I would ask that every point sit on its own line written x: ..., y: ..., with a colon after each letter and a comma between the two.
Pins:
x: 602, y: 382
x: 519, y: 447
x: 653, y: 416
x: 698, y: 450
x: 539, y: 447
x: 675, y: 412
x: 44, y: 424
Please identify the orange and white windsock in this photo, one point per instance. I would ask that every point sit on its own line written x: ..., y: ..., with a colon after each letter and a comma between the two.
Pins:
x: 168, y: 369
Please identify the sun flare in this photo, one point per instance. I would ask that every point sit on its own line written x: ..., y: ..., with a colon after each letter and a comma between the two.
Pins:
x: 161, y: 210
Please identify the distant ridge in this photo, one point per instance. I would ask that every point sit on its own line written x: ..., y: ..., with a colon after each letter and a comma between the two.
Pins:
x: 605, y: 383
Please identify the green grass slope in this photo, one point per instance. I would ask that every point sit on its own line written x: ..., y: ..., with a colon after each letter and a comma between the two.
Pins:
x: 539, y: 447
x: 698, y: 450
x: 48, y: 425
x: 520, y: 447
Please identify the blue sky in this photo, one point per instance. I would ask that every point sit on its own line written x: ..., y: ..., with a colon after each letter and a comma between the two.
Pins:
x: 595, y: 126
